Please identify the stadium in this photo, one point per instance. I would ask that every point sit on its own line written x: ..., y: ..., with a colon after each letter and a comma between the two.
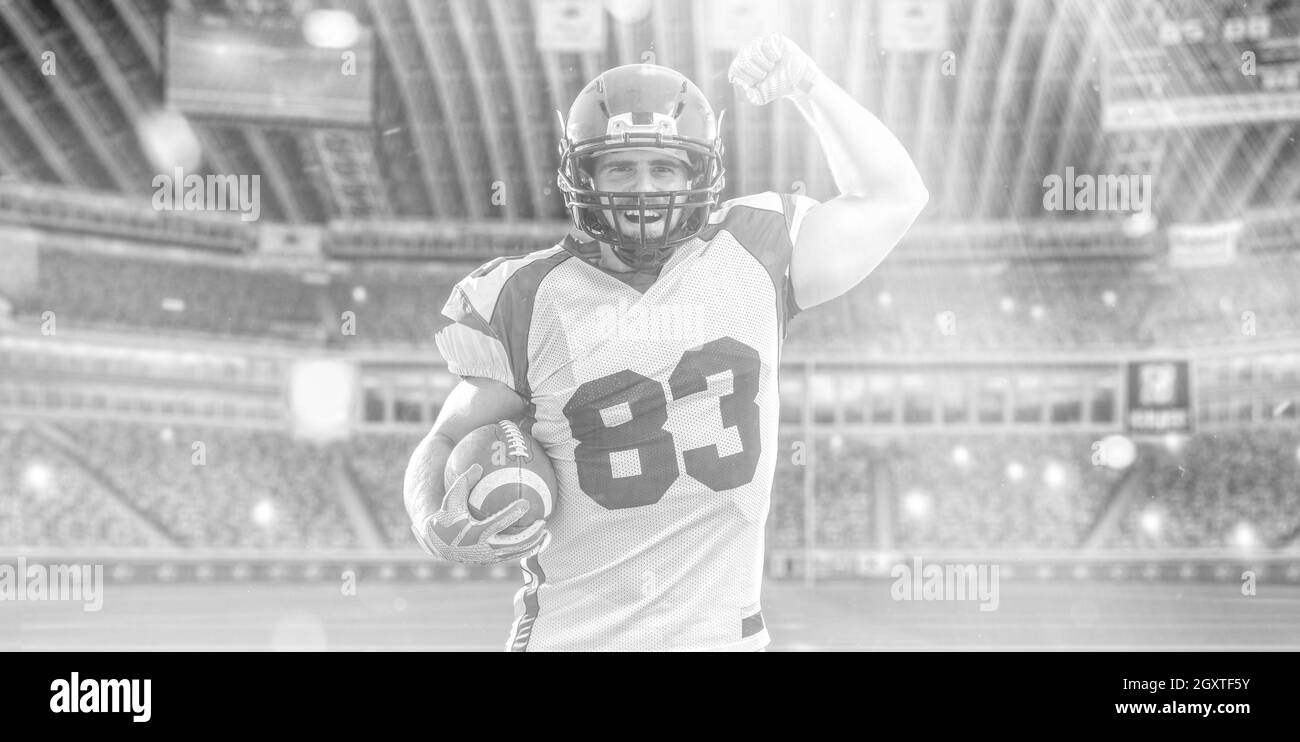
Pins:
x: 1081, y: 365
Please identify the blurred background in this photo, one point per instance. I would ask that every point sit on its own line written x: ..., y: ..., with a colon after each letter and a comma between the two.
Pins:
x: 1082, y: 364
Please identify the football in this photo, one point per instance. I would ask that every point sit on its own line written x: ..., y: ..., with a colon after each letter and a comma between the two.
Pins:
x: 514, y: 468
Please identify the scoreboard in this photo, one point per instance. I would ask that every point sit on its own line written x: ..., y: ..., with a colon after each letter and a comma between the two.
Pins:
x: 1169, y: 63
x: 224, y: 68
x: 1159, y: 398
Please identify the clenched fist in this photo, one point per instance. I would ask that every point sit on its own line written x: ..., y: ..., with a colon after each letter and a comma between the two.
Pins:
x: 772, y: 67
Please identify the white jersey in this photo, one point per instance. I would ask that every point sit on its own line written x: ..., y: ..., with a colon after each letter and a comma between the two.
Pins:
x: 657, y: 404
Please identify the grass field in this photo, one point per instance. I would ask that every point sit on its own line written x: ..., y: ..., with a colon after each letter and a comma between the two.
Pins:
x: 834, y: 616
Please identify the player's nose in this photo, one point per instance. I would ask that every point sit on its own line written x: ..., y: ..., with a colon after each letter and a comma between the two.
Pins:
x: 645, y: 180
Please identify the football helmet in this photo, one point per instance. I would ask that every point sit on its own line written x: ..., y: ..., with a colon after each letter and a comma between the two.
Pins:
x: 641, y: 106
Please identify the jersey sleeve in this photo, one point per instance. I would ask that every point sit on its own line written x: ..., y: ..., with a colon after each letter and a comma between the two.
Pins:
x: 767, y: 225
x: 794, y: 208
x: 477, y: 341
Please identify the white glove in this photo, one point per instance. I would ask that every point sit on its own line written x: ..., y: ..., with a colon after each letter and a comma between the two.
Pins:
x: 772, y: 67
x: 453, y: 534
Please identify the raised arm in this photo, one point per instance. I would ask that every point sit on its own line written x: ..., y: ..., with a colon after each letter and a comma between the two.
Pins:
x: 841, y: 241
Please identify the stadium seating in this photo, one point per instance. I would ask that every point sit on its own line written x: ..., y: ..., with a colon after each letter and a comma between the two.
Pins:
x: 786, y: 517
x: 1030, y: 306
x: 49, y: 502
x: 901, y: 308
x: 391, y: 307
x: 90, y: 290
x: 394, y: 307
x: 998, y: 492
x: 264, y: 490
x: 252, y: 488
x: 1206, y: 306
x: 1235, y: 488
x: 378, y: 463
x: 259, y: 489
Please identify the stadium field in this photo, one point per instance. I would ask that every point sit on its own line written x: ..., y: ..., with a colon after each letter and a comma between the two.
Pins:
x: 1072, y: 616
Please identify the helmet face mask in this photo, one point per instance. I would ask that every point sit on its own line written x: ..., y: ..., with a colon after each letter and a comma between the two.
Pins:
x: 641, y: 107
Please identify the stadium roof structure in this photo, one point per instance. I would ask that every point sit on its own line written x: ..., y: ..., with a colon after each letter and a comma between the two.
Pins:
x: 465, y: 100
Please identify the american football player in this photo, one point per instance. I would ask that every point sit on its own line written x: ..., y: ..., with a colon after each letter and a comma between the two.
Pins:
x: 664, y: 441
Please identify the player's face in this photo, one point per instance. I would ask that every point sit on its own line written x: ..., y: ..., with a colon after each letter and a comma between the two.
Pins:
x: 641, y: 171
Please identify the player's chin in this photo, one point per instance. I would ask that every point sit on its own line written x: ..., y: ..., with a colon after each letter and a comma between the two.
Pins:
x: 651, y: 235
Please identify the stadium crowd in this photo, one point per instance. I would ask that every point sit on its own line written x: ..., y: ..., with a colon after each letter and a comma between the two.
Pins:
x: 213, y: 488
x: 907, y: 308
x: 378, y: 463
x: 100, y: 291
x: 1233, y: 488
x: 261, y: 489
x: 47, y: 500
x: 997, y: 491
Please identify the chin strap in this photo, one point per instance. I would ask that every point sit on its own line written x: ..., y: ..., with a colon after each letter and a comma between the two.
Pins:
x: 653, y: 271
x: 586, y: 249
x: 581, y: 246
